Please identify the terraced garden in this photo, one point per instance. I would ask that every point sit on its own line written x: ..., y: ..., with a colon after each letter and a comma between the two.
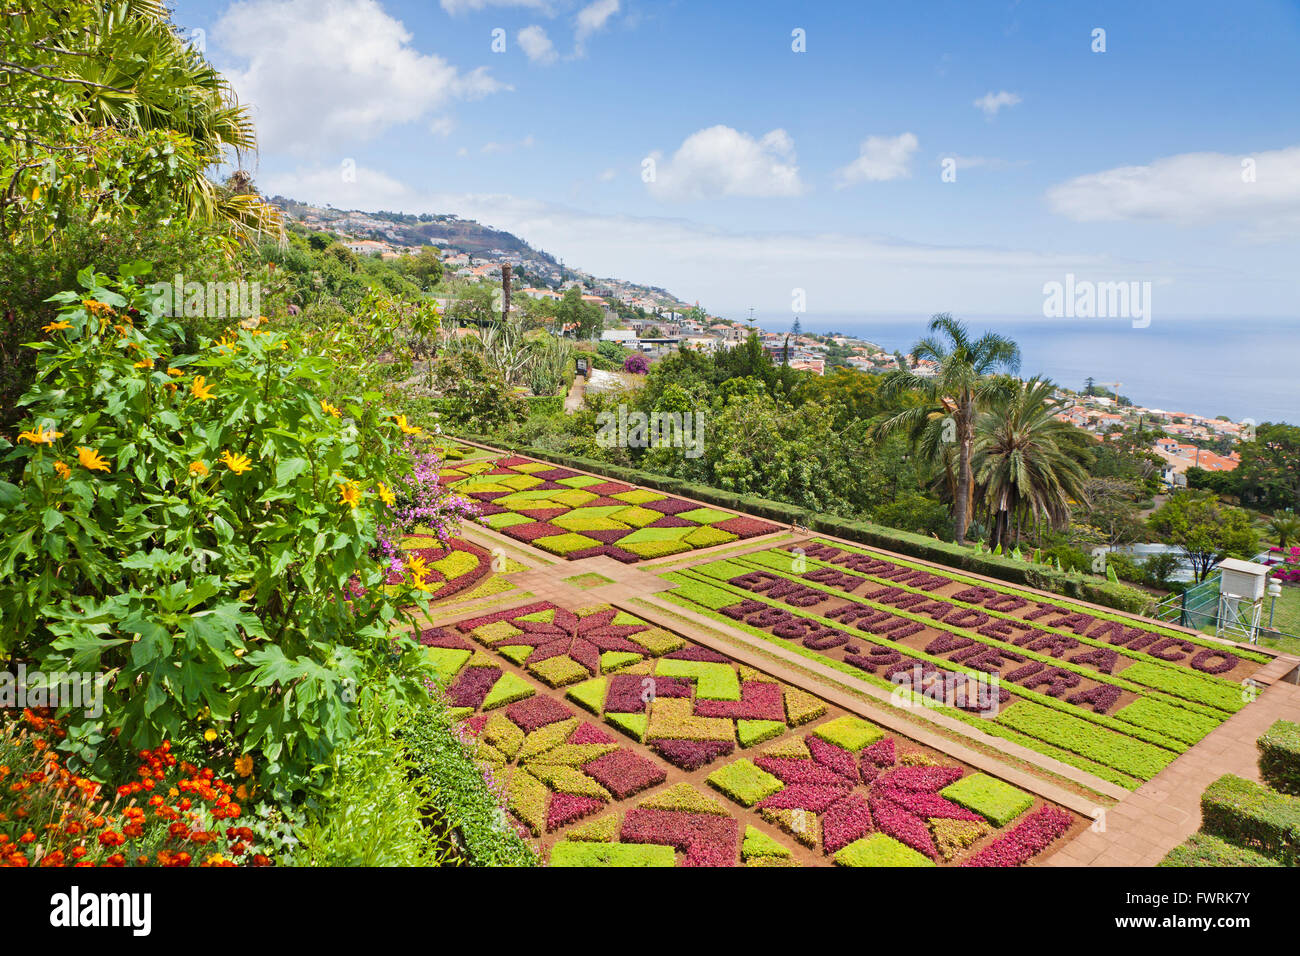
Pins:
x: 1103, y: 693
x: 618, y: 742
x: 577, y: 516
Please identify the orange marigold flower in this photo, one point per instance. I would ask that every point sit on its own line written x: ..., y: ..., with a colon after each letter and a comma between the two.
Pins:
x: 199, y: 390
x: 349, y: 494
x: 406, y: 428
x: 236, y: 463
x: 64, y: 471
x: 244, y: 765
x: 40, y: 437
x: 92, y: 460
x: 199, y: 468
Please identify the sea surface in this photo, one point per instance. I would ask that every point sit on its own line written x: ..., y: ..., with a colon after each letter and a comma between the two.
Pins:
x: 1242, y: 368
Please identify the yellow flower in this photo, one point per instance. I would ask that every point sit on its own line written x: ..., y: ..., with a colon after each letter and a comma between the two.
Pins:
x: 199, y: 468
x: 386, y: 496
x: 95, y: 308
x: 201, y: 391
x: 144, y: 363
x: 56, y: 326
x: 64, y: 471
x: 209, y: 735
x: 236, y: 463
x: 407, y: 429
x: 244, y: 765
x: 415, y: 564
x: 40, y: 436
x: 330, y: 409
x: 420, y: 584
x: 91, y: 460
x: 349, y: 494
x: 174, y: 372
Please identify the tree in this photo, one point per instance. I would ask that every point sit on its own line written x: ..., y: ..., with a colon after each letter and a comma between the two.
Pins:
x: 107, y: 109
x: 425, y: 266
x: 1285, y: 527
x: 475, y: 395
x: 1204, y: 529
x: 964, y: 382
x: 586, y: 318
x: 1269, y: 473
x: 1025, y: 462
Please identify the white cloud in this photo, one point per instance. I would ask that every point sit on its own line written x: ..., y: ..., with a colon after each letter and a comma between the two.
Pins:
x: 337, y: 72
x: 608, y: 175
x: 880, y: 159
x: 442, y: 126
x: 455, y: 7
x: 592, y: 19
x: 537, y: 46
x: 526, y: 143
x: 721, y: 161
x: 991, y: 102
x: 1190, y: 189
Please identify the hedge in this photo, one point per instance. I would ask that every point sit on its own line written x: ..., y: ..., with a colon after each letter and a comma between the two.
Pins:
x: 1279, y: 756
x: 1242, y: 811
x: 1201, y: 849
x: 1096, y: 590
x: 544, y: 404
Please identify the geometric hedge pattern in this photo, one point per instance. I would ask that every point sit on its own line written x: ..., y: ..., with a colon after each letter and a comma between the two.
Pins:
x: 619, y: 743
x: 576, y: 516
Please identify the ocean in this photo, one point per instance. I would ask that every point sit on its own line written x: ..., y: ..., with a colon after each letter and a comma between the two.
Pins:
x: 1242, y: 368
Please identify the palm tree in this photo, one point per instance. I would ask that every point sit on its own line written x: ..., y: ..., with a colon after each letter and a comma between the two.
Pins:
x: 1285, y: 526
x: 964, y: 380
x: 83, y: 78
x: 1027, y: 463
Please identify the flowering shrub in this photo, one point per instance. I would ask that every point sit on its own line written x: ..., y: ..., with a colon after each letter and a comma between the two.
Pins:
x: 174, y: 814
x: 636, y: 364
x: 193, y: 508
x: 1286, y: 567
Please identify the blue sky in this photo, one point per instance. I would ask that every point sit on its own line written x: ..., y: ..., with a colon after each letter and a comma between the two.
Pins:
x: 820, y: 170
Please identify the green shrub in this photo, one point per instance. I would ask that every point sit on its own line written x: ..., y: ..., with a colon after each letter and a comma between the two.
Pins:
x: 1201, y: 849
x: 373, y: 810
x: 1246, y: 813
x: 199, y: 529
x: 457, y: 793
x: 1279, y: 756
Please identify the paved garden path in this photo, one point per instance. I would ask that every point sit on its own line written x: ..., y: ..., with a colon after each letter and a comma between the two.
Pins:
x: 1143, y: 827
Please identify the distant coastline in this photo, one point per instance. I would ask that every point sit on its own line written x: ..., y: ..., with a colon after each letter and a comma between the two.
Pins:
x: 1242, y: 368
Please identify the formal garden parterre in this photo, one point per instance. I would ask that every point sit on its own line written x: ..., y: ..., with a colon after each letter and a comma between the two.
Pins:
x: 575, y: 515
x: 1116, y: 697
x: 618, y: 742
